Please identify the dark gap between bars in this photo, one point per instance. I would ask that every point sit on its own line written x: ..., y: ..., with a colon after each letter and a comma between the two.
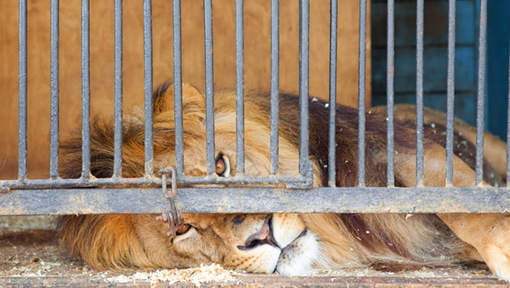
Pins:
x: 85, y: 80
x: 209, y: 87
x: 147, y: 44
x: 450, y: 93
x: 390, y: 72
x: 54, y: 84
x: 275, y: 78
x: 22, y: 93
x: 239, y: 87
x: 419, y: 92
x: 179, y: 155
x: 332, y: 93
x: 361, y: 92
x: 482, y: 42
x: 117, y: 148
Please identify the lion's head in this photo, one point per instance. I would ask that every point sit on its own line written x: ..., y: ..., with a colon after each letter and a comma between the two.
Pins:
x: 252, y: 242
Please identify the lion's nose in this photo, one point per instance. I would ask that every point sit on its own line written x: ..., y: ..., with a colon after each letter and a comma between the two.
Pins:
x: 263, y: 236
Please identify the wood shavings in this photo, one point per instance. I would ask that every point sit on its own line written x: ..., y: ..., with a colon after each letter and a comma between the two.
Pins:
x: 196, y: 276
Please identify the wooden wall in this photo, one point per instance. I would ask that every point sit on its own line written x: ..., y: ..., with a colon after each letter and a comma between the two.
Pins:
x: 257, y: 65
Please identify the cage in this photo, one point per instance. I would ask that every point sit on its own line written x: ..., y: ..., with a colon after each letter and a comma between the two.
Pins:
x: 242, y: 193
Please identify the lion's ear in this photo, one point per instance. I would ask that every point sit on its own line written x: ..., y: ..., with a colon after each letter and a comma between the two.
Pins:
x: 163, y: 98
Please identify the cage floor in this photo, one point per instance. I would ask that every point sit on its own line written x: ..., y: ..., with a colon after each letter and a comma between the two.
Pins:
x: 31, y: 258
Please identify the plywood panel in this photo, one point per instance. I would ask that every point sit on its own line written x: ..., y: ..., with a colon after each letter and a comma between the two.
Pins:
x: 257, y: 66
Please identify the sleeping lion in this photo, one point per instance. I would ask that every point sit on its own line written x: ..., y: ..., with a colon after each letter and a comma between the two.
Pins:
x: 288, y: 244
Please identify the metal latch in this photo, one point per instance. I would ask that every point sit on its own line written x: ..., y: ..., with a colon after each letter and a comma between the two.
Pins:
x: 174, y: 216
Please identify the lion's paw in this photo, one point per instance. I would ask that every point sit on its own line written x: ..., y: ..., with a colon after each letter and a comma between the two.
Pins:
x: 497, y: 258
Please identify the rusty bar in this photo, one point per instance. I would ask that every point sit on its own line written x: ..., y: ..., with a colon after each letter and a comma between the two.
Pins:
x: 240, y: 200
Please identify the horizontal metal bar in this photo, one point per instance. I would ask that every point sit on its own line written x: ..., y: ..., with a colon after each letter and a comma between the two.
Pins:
x: 6, y: 185
x: 259, y: 200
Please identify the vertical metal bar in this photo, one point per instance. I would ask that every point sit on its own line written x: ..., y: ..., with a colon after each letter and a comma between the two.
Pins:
x: 419, y: 92
x: 304, y: 27
x: 85, y: 96
x: 480, y: 103
x: 179, y: 145
x: 390, y: 173
x: 117, y: 158
x: 54, y: 85
x: 450, y: 92
x: 508, y: 130
x: 275, y: 83
x: 332, y: 92
x: 148, y: 105
x: 22, y: 90
x: 361, y: 92
x: 209, y: 86
x: 240, y: 87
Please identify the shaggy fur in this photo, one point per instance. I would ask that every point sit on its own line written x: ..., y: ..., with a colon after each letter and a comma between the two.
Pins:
x: 106, y: 241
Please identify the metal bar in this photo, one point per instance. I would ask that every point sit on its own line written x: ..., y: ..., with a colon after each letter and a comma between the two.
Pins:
x: 209, y: 87
x: 333, y: 24
x: 419, y: 92
x: 240, y: 87
x: 54, y: 86
x: 361, y: 91
x: 390, y: 73
x: 147, y: 44
x: 450, y: 93
x: 508, y: 130
x: 304, y: 35
x: 480, y: 102
x: 179, y: 145
x: 22, y: 90
x: 9, y: 185
x: 240, y: 200
x: 117, y: 157
x: 85, y: 88
x: 275, y: 83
